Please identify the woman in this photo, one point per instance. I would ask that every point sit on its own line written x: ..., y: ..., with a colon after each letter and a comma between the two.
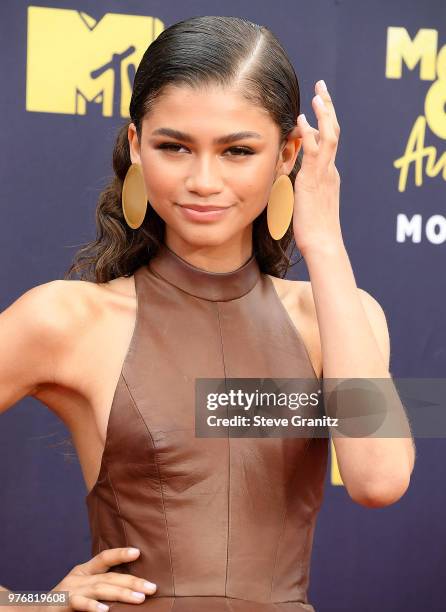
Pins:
x: 173, y: 293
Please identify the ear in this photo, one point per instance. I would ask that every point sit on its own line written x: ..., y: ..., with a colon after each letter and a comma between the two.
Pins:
x: 133, y: 144
x: 289, y: 151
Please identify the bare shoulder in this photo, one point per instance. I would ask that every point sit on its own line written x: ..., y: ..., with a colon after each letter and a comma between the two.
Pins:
x: 68, y: 303
x: 71, y: 314
x: 86, y: 303
x: 56, y: 306
x: 45, y: 309
x: 298, y: 292
x: 297, y: 298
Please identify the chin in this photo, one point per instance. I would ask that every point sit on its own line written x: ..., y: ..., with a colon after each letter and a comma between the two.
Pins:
x: 206, y: 236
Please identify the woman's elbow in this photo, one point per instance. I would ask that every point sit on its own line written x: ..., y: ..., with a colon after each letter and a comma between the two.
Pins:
x: 380, y: 494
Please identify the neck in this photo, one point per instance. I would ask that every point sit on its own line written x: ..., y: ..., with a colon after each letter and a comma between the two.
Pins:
x: 224, y: 257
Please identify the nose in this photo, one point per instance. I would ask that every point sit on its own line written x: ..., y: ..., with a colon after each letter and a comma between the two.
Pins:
x: 205, y: 177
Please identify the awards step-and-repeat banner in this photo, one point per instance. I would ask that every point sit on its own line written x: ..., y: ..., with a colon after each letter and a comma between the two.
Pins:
x: 67, y: 69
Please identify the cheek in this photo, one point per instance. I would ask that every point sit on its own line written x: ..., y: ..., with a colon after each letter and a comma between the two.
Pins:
x: 159, y: 183
x: 255, y: 192
x: 256, y: 181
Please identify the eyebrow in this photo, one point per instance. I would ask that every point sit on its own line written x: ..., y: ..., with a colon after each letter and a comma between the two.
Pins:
x: 221, y: 140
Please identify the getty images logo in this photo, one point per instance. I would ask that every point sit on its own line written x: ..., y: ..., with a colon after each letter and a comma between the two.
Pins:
x: 422, y: 50
x: 77, y: 64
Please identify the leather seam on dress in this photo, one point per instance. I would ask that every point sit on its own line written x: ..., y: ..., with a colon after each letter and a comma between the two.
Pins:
x: 310, y: 528
x: 279, y: 540
x: 118, y: 507
x: 173, y: 603
x: 201, y: 596
x: 294, y: 483
x: 159, y: 478
x: 228, y: 531
x: 296, y: 474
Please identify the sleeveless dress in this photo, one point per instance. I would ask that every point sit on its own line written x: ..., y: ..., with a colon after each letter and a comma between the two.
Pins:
x: 223, y: 524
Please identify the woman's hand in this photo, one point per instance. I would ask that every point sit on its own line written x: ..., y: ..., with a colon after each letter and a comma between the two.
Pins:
x: 316, y: 222
x: 90, y: 581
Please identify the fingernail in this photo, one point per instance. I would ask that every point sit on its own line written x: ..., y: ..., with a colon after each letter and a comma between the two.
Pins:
x: 302, y: 118
x: 137, y: 595
x: 319, y: 101
x: 132, y: 551
x: 149, y: 585
x: 101, y: 606
x: 323, y: 85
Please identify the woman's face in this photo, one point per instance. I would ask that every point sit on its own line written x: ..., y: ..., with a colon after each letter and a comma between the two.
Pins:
x: 192, y: 167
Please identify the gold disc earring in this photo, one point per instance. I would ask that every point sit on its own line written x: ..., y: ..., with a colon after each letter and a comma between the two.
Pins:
x: 280, y: 207
x: 134, y: 197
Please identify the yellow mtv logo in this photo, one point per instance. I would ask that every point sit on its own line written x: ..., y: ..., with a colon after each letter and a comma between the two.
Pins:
x: 74, y: 59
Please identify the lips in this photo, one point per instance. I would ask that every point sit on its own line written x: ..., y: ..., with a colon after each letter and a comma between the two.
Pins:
x: 202, y: 208
x: 200, y: 213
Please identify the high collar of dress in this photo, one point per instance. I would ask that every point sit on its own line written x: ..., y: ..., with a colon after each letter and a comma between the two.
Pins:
x: 213, y: 286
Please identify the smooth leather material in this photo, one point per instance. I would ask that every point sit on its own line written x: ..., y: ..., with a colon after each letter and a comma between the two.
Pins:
x: 223, y: 524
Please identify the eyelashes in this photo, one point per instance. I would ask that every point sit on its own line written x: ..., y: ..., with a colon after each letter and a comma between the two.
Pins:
x: 242, y: 151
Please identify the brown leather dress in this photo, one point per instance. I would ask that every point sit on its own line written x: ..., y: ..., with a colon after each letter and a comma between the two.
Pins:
x: 223, y: 524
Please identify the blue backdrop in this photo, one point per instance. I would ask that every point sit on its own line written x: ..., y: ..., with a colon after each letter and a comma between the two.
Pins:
x: 385, y: 65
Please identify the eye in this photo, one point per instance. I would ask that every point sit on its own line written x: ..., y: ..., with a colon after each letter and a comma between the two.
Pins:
x: 170, y: 146
x: 244, y: 150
